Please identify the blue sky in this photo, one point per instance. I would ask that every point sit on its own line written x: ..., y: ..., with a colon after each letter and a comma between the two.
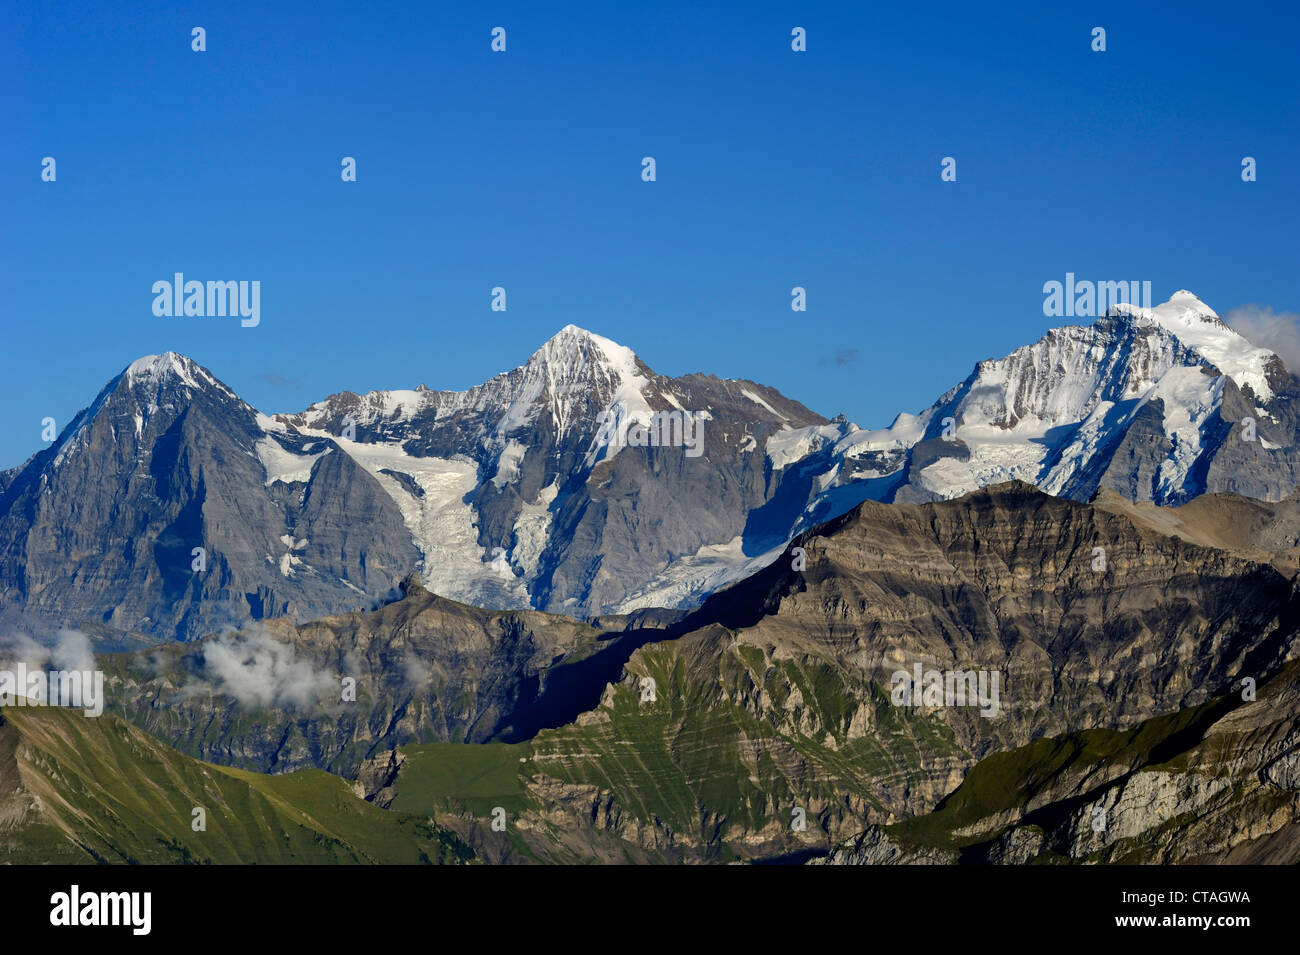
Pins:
x: 522, y: 170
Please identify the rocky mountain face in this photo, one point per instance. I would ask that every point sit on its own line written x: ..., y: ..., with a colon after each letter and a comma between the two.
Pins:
x: 100, y: 530
x: 697, y: 739
x: 580, y: 481
x: 1219, y: 783
x: 526, y: 469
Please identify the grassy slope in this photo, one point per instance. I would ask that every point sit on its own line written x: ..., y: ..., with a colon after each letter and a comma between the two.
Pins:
x: 99, y: 790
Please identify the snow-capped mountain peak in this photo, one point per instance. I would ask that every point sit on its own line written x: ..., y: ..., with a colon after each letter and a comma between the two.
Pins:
x: 577, y: 373
x: 570, y: 373
x: 158, y: 367
x: 171, y: 369
x: 1084, y: 405
x: 1199, y: 327
x: 510, y: 494
x: 168, y: 380
x: 575, y: 355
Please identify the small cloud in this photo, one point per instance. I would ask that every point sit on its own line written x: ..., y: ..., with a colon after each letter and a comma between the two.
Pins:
x: 278, y: 381
x: 260, y: 671
x: 416, y: 670
x: 846, y: 356
x: 70, y: 650
x: 1277, y: 331
x: 18, y: 648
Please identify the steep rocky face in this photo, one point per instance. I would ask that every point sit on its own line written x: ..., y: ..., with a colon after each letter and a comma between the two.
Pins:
x: 101, y: 528
x: 1010, y: 581
x: 1218, y: 783
x: 581, y: 482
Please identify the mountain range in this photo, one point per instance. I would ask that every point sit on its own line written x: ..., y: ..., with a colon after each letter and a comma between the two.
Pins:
x: 509, y: 496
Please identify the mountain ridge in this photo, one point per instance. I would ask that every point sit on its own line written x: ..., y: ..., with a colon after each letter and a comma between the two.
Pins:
x: 509, y: 494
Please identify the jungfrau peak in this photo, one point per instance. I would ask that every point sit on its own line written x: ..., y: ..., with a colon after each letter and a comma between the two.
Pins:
x: 1134, y: 402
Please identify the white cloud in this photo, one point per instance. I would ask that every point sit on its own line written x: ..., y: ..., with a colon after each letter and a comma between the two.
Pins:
x: 71, y: 650
x: 260, y: 671
x: 1276, y: 331
x: 416, y: 670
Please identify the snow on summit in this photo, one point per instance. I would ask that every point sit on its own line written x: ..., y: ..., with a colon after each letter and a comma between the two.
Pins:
x: 572, y: 368
x: 1049, y: 412
x: 158, y: 367
x: 1197, y: 325
x: 156, y: 371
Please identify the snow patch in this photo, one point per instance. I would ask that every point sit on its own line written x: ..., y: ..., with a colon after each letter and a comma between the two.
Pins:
x: 533, y: 530
x: 283, y: 465
x: 441, y: 523
x: 1189, y: 398
x: 949, y: 477
x: 759, y: 401
x: 688, y: 580
x: 791, y: 445
x: 508, y: 464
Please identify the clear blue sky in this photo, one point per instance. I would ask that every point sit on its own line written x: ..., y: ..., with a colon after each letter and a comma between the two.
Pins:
x: 522, y: 170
